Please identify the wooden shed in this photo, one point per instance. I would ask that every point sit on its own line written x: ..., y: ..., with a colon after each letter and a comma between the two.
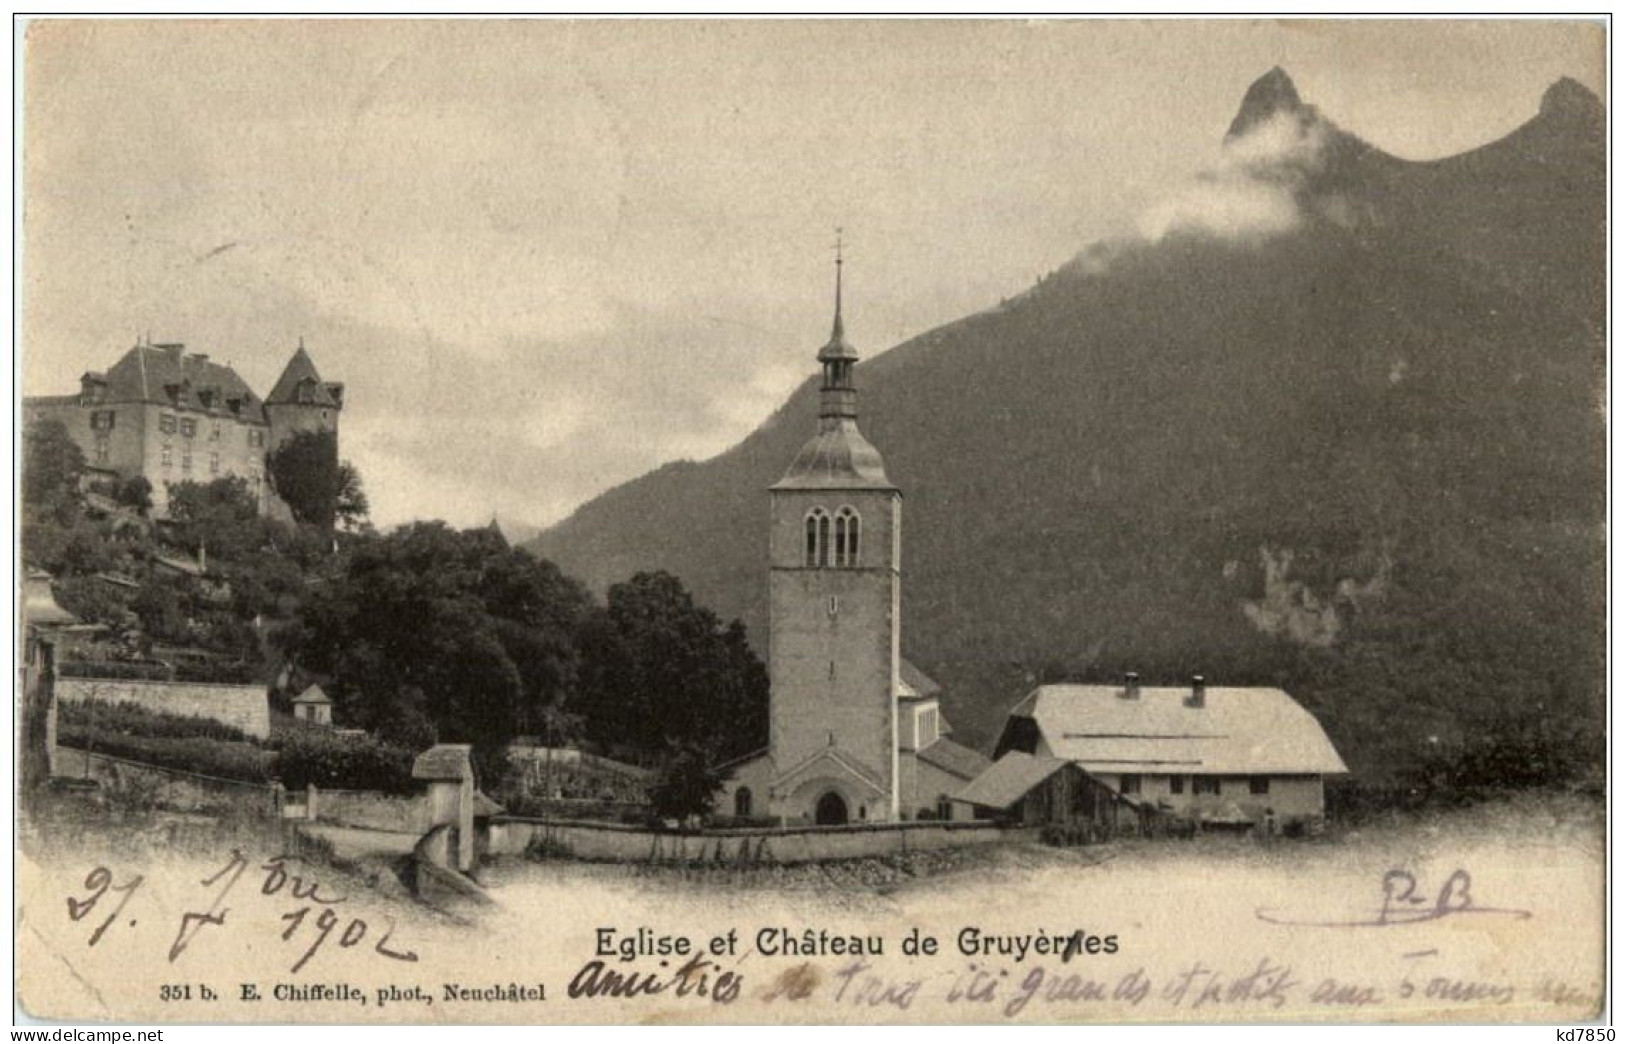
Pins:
x: 1038, y: 791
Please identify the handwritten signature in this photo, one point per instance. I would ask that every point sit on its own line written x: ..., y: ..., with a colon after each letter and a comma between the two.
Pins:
x: 1404, y: 902
x: 277, y: 882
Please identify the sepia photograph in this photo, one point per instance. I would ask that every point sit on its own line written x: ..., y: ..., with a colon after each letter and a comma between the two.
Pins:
x: 811, y: 521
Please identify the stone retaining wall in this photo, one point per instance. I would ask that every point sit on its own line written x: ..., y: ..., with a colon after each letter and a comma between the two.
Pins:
x: 170, y: 788
x: 608, y: 842
x: 373, y: 810
x: 245, y: 707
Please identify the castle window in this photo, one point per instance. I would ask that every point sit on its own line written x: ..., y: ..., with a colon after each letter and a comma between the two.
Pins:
x: 102, y: 449
x: 817, y: 538
x: 168, y: 456
x: 1258, y: 785
x: 188, y: 427
x: 166, y: 423
x: 214, y: 463
x: 846, y: 538
x: 256, y: 437
x: 1176, y: 784
x: 1205, y: 785
x: 186, y: 463
x: 102, y: 420
x: 214, y: 433
x: 742, y: 802
x: 945, y: 808
x: 1129, y: 783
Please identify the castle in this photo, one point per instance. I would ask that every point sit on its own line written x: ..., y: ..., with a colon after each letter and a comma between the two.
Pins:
x: 173, y: 416
x: 857, y: 733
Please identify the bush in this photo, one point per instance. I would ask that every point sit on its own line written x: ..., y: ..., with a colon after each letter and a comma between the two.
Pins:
x: 236, y: 673
x: 537, y: 807
x: 319, y: 756
x: 207, y: 757
x: 742, y: 822
x: 139, y: 670
x: 131, y: 720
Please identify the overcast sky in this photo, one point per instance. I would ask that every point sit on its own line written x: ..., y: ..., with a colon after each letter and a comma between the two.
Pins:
x: 546, y: 257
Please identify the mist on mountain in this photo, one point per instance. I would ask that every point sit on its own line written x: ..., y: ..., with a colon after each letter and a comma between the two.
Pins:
x: 1332, y: 421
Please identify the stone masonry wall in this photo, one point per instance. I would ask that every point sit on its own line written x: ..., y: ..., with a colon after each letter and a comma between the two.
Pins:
x: 246, y: 707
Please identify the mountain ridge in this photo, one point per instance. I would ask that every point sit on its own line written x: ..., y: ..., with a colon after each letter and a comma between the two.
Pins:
x: 1264, y: 457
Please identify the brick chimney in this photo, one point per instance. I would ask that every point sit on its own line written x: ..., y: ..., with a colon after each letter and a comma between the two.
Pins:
x: 1131, y: 686
x: 1198, y: 696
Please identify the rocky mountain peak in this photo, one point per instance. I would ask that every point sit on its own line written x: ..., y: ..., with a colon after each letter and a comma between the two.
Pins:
x: 1570, y: 100
x: 1269, y: 95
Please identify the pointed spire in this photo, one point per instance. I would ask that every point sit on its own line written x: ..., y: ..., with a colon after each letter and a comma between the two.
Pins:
x: 838, y: 348
x: 838, y: 333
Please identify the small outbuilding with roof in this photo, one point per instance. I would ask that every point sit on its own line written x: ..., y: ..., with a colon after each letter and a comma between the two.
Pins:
x: 313, y: 706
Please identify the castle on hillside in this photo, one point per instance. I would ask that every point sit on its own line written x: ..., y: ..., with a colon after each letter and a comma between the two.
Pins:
x: 856, y: 731
x: 173, y: 416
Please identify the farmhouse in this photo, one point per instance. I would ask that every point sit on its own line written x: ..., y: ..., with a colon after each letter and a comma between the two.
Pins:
x: 1232, y: 757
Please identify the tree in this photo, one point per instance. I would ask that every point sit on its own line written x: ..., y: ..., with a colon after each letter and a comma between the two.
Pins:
x: 658, y: 669
x: 222, y: 516
x: 350, y: 506
x: 428, y: 625
x: 52, y: 467
x: 318, y: 487
x: 134, y: 492
x: 687, y: 784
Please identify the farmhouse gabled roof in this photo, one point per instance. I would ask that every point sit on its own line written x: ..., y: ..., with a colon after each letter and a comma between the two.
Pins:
x: 1252, y: 731
x: 1009, y: 779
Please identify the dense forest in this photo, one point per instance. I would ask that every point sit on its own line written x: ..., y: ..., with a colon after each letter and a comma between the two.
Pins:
x: 422, y: 634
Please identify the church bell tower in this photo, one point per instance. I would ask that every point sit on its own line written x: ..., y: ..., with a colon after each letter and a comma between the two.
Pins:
x: 834, y: 602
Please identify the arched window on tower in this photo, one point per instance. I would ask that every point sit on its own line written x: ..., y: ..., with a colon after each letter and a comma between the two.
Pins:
x: 817, y: 538
x: 846, y: 538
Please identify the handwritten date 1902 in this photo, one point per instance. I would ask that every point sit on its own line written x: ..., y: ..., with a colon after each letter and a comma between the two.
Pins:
x: 278, y: 883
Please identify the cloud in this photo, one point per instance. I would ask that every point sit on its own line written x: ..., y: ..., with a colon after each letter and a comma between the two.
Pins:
x: 459, y: 434
x: 1252, y: 191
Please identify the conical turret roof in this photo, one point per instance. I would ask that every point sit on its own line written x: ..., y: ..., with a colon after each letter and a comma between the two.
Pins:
x: 300, y: 369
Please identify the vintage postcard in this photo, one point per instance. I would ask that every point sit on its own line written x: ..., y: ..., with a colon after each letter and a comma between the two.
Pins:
x: 810, y: 521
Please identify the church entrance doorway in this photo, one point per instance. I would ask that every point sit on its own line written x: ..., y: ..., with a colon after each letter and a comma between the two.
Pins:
x: 831, y: 810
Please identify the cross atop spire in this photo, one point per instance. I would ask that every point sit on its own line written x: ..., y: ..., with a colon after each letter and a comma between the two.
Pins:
x: 838, y: 348
x: 838, y: 333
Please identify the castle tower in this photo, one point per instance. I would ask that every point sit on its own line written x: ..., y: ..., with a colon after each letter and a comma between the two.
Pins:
x: 302, y: 401
x: 834, y: 590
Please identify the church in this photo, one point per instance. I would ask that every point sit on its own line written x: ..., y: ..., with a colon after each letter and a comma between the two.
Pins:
x: 857, y: 734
